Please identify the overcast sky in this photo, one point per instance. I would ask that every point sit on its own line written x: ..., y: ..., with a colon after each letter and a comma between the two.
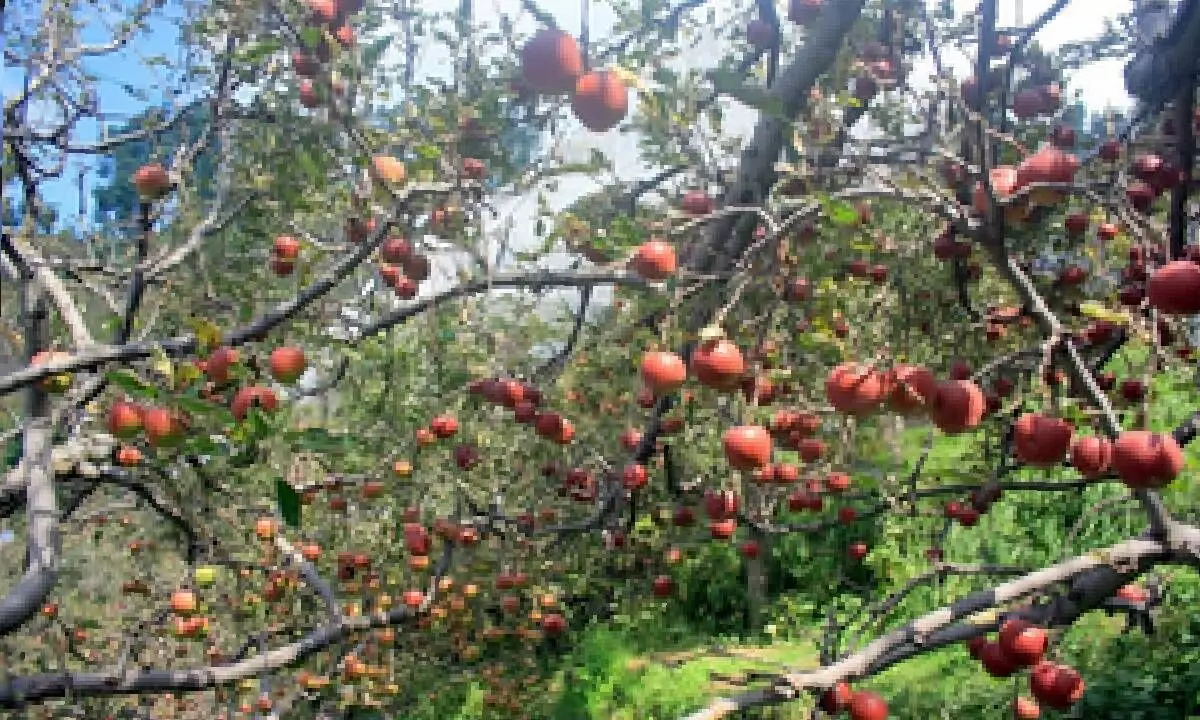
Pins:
x: 1101, y: 84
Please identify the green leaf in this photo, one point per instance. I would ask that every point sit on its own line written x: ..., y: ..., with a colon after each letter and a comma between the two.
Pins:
x: 311, y: 37
x: 254, y: 52
x: 195, y: 405
x: 131, y: 384
x: 319, y: 440
x: 12, y: 453
x: 289, y: 502
x: 372, y: 53
x: 202, y: 445
x: 256, y: 421
x: 428, y: 152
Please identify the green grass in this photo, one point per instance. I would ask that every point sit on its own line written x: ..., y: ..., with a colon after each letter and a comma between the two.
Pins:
x: 621, y: 675
x: 610, y: 678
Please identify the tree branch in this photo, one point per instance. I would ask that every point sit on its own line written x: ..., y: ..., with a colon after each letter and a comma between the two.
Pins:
x: 1094, y: 578
x: 184, y: 344
x: 756, y: 171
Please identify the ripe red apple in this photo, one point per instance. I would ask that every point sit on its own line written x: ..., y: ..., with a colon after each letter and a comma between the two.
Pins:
x: 304, y: 64
x: 663, y: 586
x: 444, y: 426
x: 663, y: 372
x: 124, y: 419
x: 1091, y: 455
x: 466, y: 456
x: 835, y: 699
x: 281, y: 267
x: 128, y: 456
x: 697, y: 203
x: 718, y: 364
x: 655, y: 260
x: 345, y: 36
x: 1040, y: 439
x: 395, y: 250
x: 163, y: 427
x: 253, y: 396
x: 866, y: 705
x: 1174, y: 289
x: 600, y: 101
x: 308, y: 95
x: 996, y: 662
x: 473, y: 168
x: 554, y: 624
x: 1110, y: 151
x: 287, y: 364
x: 323, y: 12
x: 747, y: 447
x: 854, y: 388
x: 1026, y: 709
x: 1058, y: 686
x: 1144, y: 459
x: 406, y: 288
x: 551, y: 62
x: 219, y: 363
x: 286, y: 247
x: 151, y: 181
x: 1023, y: 642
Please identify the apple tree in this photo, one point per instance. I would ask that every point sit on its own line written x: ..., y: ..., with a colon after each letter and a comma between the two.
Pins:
x: 295, y: 434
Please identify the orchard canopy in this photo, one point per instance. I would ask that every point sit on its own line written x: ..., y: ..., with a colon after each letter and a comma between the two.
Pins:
x: 622, y: 359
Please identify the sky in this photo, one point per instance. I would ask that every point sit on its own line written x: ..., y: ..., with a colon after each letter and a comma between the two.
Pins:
x: 1101, y: 83
x: 133, y: 67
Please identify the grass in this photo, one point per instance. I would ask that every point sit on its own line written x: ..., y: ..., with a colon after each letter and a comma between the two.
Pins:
x: 1130, y: 676
x: 609, y: 678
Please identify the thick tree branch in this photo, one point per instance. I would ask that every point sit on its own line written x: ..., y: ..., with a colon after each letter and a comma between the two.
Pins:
x: 43, y: 541
x: 1093, y: 579
x: 23, y: 255
x: 756, y: 171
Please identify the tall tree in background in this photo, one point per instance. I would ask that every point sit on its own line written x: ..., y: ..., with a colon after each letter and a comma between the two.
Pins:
x: 117, y: 201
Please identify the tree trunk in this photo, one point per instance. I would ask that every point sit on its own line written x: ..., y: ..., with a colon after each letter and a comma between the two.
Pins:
x: 756, y: 583
x: 730, y: 235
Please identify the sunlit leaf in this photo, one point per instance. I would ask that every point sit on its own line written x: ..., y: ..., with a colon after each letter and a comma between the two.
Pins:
x: 162, y: 366
x: 256, y: 51
x: 628, y: 77
x: 131, y: 383
x: 842, y: 214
